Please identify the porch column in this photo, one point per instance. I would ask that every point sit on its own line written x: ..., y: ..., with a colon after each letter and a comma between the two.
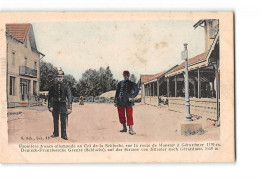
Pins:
x: 147, y: 89
x: 158, y: 90
x: 194, y: 87
x: 168, y: 87
x: 175, y: 86
x: 217, y: 92
x: 150, y: 93
x: 199, y: 84
x: 213, y: 88
x: 153, y: 89
x: 142, y: 90
x: 150, y: 89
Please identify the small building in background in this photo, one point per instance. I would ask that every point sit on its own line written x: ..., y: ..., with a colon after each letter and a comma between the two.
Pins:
x: 23, y: 66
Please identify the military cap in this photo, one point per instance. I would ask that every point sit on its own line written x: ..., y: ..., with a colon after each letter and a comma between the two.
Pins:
x: 126, y: 73
x: 60, y: 72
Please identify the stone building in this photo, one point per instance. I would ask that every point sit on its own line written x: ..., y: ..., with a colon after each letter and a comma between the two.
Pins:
x: 23, y: 65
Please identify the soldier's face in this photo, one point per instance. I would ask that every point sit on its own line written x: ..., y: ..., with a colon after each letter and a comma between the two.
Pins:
x: 60, y: 78
x: 126, y: 77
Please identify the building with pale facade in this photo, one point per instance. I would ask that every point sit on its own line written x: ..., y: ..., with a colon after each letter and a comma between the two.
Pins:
x: 23, y: 65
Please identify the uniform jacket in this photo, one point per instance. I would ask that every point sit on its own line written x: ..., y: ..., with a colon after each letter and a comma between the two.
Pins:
x: 125, y: 89
x: 59, y: 95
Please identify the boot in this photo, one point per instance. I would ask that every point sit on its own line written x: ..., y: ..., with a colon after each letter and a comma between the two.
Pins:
x: 54, y: 135
x: 131, y: 130
x: 124, y: 128
x: 65, y: 137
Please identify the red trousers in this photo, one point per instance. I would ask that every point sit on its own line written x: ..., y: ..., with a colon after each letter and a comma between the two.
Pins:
x: 129, y: 114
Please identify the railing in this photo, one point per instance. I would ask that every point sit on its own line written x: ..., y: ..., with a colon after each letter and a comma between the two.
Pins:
x: 27, y: 71
x: 151, y: 100
x: 34, y: 100
x: 206, y: 107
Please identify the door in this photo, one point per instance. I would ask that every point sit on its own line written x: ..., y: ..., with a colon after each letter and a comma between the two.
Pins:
x: 24, y: 89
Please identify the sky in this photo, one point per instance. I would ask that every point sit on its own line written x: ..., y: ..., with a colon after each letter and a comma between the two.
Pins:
x: 142, y: 47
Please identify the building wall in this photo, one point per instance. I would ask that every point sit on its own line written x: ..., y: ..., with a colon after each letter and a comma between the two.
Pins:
x: 13, y: 69
x: 210, y: 25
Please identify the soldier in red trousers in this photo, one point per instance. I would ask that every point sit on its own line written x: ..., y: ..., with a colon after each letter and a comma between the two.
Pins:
x: 124, y: 101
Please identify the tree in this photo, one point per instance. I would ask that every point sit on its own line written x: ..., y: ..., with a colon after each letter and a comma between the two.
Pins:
x: 133, y: 78
x: 89, y: 84
x: 94, y: 83
x: 72, y: 83
x: 114, y: 84
x: 48, y: 74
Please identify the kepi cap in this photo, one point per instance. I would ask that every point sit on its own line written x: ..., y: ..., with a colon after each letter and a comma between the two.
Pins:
x: 126, y: 73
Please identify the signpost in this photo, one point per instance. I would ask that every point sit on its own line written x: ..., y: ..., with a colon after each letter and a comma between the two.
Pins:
x: 184, y: 55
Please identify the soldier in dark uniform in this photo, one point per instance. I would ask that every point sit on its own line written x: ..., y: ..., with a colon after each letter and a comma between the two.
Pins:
x: 59, y: 96
x: 124, y: 101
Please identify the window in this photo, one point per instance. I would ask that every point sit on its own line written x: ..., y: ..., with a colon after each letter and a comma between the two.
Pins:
x: 12, y: 86
x: 25, y: 61
x: 25, y: 42
x: 34, y: 87
x: 35, y: 65
x: 13, y: 58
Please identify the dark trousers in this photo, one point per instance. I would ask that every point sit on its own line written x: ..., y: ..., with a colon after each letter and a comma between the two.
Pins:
x: 56, y: 123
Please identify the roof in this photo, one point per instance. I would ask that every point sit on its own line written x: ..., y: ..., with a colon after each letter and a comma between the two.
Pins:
x: 158, y: 75
x: 19, y: 31
x: 198, y: 23
x: 145, y: 78
x: 192, y: 60
x: 196, y: 59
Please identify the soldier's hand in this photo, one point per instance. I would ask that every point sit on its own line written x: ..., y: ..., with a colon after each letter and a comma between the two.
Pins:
x: 131, y: 99
x: 70, y: 107
x: 69, y: 111
x: 51, y: 109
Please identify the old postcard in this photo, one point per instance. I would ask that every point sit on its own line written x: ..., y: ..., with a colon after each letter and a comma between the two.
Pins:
x: 117, y: 87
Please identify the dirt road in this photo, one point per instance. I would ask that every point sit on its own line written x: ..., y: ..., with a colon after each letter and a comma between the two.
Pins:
x: 99, y: 123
